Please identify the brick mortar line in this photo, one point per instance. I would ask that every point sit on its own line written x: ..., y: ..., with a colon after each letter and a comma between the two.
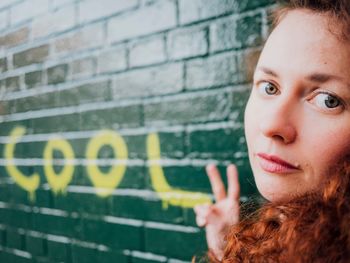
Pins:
x: 116, y: 103
x: 128, y: 131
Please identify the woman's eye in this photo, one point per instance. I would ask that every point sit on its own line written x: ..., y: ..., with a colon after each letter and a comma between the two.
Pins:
x: 326, y: 101
x: 267, y: 88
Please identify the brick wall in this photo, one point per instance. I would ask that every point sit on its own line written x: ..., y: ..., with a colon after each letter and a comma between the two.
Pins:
x: 109, y: 112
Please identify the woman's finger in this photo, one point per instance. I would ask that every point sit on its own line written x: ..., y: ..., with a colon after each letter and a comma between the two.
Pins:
x: 201, y: 222
x: 202, y: 212
x: 217, y: 185
x: 233, y: 190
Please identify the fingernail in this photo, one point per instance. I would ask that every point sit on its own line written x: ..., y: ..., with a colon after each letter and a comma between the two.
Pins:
x: 201, y: 221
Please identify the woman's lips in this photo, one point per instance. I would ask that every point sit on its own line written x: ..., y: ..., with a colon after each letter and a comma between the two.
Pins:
x: 274, y: 164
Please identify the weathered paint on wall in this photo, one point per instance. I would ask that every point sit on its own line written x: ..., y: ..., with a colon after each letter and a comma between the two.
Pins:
x: 109, y: 112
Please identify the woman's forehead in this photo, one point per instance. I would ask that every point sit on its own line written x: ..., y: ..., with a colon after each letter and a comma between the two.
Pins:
x: 303, y: 40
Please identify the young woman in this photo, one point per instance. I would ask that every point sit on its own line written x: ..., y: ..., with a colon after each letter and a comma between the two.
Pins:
x: 297, y: 125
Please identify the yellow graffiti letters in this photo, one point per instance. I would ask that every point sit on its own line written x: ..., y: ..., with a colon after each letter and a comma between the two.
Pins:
x: 105, y: 182
x: 169, y: 195
x: 58, y: 181
x: 28, y: 183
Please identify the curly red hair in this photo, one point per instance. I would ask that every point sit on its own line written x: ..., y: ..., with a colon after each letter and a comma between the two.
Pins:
x: 311, y: 228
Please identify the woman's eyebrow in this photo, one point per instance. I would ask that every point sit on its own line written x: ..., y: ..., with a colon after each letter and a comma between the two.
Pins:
x: 268, y: 71
x: 322, y: 77
x: 314, y: 77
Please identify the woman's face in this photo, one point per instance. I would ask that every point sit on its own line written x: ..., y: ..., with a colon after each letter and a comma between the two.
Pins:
x: 297, y: 119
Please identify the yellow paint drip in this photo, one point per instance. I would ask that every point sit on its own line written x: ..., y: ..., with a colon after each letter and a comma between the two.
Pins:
x: 29, y: 183
x: 58, y: 181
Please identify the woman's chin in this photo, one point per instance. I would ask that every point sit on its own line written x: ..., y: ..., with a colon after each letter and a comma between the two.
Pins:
x: 272, y: 195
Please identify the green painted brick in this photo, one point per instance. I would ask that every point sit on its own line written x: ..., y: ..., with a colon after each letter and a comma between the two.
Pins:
x: 161, y: 241
x: 91, y: 92
x: 150, y: 81
x: 3, y: 236
x: 5, y: 193
x: 60, y: 123
x: 133, y: 177
x: 59, y: 251
x: 208, y: 97
x: 57, y: 74
x: 236, y: 33
x: 39, y: 169
x: 44, y: 198
x: 218, y: 143
x: 37, y: 102
x: 15, y: 218
x: 245, y: 5
x: 188, y: 42
x: 6, y: 107
x: 31, y: 56
x: 36, y: 149
x: 3, y: 64
x: 14, y: 239
x: 189, y: 217
x: 84, y: 254
x: 84, y: 67
x: 249, y: 30
x: 75, y: 180
x: 56, y: 225
x: 12, y: 84
x: 136, y: 145
x: 197, y: 10
x: 172, y: 144
x: 147, y: 258
x: 19, y: 195
x: 5, y: 215
x: 121, y: 236
x: 79, y: 177
x: 191, y: 178
x: 7, y: 127
x: 36, y: 245
x: 83, y: 203
x: 240, y: 98
x: 213, y: 71
x: 128, y: 116
x: 145, y: 209
x: 21, y: 150
x: 129, y: 207
x: 194, y: 178
x: 2, y: 147
x: 191, y: 110
x: 79, y: 147
x: 3, y: 172
x: 14, y: 38
x: 6, y: 256
x: 41, y: 260
x: 112, y: 256
x: 33, y: 79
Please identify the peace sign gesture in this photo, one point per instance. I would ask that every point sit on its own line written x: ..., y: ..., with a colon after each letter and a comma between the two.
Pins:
x: 225, y: 212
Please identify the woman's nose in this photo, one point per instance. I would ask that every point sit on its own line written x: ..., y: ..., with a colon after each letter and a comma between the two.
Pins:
x: 278, y: 124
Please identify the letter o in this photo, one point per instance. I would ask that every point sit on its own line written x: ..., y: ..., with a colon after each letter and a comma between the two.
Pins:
x: 58, y: 181
x: 106, y: 182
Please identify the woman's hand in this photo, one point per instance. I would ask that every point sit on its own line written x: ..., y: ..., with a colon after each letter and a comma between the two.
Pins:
x: 225, y: 212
